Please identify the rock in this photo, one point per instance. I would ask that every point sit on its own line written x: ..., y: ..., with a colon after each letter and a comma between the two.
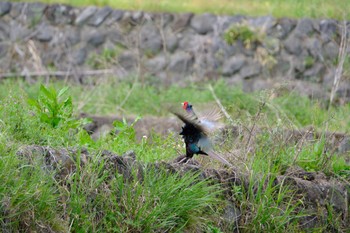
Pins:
x: 72, y: 37
x: 85, y: 15
x: 233, y: 65
x: 45, y: 33
x: 203, y: 24
x: 5, y: 8
x: 114, y: 16
x: 330, y: 50
x: 181, y: 21
x: 79, y: 56
x: 314, y: 47
x: 17, y: 9
x: 181, y: 62
x: 3, y: 49
x: 344, y: 146
x: 21, y: 32
x: 232, y: 214
x: 304, y: 27
x: 293, y: 45
x: 136, y: 17
x: 96, y: 39
x: 171, y: 42
x: 34, y: 11
x: 156, y: 64
x: 328, y: 29
x: 264, y: 23
x: 188, y: 40
x: 315, y: 71
x: 60, y: 14
x: 99, y: 16
x: 5, y: 30
x: 228, y: 21
x: 283, y: 27
x: 150, y: 39
x: 127, y: 60
x: 250, y: 70
x: 102, y: 131
x: 116, y: 37
x: 163, y: 18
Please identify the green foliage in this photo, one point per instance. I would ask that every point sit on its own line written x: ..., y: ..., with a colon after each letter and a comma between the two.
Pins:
x: 99, y: 200
x: 50, y: 108
x: 288, y: 8
x: 243, y: 33
x: 28, y: 197
x: 162, y: 202
x: 267, y: 207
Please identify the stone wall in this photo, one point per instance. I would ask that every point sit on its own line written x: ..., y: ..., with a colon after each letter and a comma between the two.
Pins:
x: 164, y: 48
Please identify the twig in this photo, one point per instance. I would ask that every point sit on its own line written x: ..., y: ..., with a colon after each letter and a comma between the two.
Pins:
x: 262, y: 105
x: 220, y: 105
x: 57, y: 73
x: 341, y: 59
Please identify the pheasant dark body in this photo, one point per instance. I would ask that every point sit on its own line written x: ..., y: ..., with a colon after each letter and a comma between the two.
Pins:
x: 196, y: 132
x: 191, y: 136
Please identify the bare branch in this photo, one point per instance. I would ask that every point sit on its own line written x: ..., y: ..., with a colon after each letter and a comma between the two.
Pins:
x: 62, y: 74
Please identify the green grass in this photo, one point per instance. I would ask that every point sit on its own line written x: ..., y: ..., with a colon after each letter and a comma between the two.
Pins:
x: 278, y: 8
x: 95, y: 199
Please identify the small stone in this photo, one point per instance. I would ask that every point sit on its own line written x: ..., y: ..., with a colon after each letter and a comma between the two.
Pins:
x: 328, y: 29
x: 233, y: 65
x: 181, y: 21
x: 250, y: 70
x: 114, y: 16
x: 5, y: 8
x: 264, y: 22
x: 34, y: 11
x: 127, y: 60
x: 85, y: 15
x: 283, y: 28
x: 181, y: 62
x: 17, y: 9
x: 116, y: 37
x: 3, y: 49
x: 171, y: 43
x: 156, y: 64
x: 304, y: 27
x: 97, y: 39
x: 99, y: 17
x: 293, y: 45
x: 151, y: 41
x: 79, y: 56
x: 60, y: 14
x: 330, y: 50
x: 44, y: 34
x: 314, y: 47
x: 203, y: 24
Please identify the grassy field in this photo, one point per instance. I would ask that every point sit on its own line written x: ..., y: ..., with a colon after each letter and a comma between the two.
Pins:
x: 288, y: 8
x: 94, y: 199
x: 91, y: 199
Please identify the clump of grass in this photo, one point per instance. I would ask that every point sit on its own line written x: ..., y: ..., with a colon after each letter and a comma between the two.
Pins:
x: 267, y: 207
x: 101, y: 201
x: 244, y: 33
x: 28, y: 196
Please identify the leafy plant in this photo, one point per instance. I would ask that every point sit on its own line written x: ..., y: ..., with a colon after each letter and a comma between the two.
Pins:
x: 243, y: 33
x: 51, y: 108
